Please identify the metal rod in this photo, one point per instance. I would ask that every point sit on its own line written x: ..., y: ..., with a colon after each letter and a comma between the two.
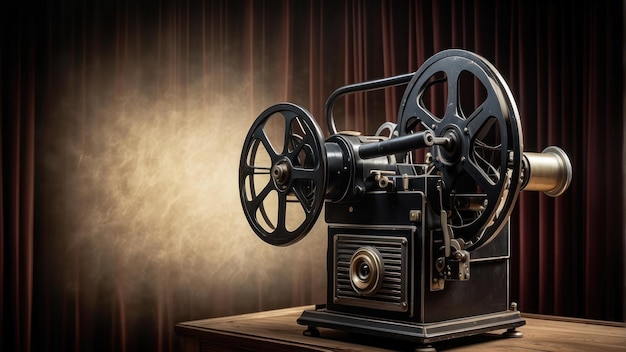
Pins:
x: 360, y: 87
x: 397, y: 145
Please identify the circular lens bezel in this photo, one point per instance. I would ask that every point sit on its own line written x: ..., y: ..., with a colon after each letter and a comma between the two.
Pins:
x: 370, y: 258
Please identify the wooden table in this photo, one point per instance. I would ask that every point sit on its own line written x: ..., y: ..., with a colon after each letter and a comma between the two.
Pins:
x: 277, y: 330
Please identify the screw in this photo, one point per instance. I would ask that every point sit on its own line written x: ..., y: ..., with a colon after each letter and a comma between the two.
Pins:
x: 415, y: 215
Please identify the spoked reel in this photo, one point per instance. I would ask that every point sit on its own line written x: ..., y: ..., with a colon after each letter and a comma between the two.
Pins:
x: 461, y: 97
x: 282, y: 174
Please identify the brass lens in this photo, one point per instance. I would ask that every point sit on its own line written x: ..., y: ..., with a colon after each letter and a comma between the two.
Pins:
x: 366, y: 270
x: 549, y: 171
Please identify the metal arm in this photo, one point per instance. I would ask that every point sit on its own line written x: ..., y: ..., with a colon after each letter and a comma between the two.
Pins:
x: 360, y: 87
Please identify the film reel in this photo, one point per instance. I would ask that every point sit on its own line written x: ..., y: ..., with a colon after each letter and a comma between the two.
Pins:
x: 282, y: 177
x: 460, y: 96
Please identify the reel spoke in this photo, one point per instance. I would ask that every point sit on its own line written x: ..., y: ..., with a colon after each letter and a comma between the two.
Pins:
x: 261, y: 208
x: 452, y: 106
x: 257, y: 200
x: 282, y: 212
x: 259, y: 170
x: 303, y: 199
x: 289, y: 138
x: 260, y: 135
x: 304, y: 174
x: 425, y: 117
x: 483, y: 114
x: 295, y: 174
x: 249, y: 170
x: 476, y: 173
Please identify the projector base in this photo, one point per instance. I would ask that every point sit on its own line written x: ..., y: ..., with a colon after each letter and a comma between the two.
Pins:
x: 420, y: 333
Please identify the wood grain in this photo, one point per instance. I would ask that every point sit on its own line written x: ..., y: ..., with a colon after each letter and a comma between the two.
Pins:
x: 277, y: 330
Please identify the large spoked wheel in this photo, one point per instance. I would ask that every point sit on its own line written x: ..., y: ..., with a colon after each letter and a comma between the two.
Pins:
x: 462, y: 97
x: 282, y: 177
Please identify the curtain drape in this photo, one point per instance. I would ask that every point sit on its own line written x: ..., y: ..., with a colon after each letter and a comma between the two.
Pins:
x: 122, y: 123
x: 18, y: 102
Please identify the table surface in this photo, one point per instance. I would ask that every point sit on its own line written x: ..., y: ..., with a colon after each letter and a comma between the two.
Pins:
x: 277, y: 330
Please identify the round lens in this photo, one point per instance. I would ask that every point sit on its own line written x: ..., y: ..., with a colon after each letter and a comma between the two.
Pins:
x: 364, y: 271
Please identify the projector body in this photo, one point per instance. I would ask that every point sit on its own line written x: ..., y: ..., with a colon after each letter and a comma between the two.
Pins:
x: 417, y: 214
x: 393, y: 233
x: 413, y: 302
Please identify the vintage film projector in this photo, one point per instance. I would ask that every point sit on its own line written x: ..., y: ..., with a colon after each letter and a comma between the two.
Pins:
x: 418, y: 235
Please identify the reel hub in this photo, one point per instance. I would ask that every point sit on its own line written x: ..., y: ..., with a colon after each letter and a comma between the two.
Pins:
x: 281, y: 174
x: 449, y: 152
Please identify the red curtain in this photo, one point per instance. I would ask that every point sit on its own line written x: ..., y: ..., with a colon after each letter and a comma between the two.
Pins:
x: 18, y: 100
x: 63, y: 63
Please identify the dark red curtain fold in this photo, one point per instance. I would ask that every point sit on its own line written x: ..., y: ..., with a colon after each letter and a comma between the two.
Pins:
x: 18, y: 104
x: 83, y: 82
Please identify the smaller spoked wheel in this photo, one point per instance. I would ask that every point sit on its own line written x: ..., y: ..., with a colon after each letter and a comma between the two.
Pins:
x: 460, y: 96
x: 282, y: 174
